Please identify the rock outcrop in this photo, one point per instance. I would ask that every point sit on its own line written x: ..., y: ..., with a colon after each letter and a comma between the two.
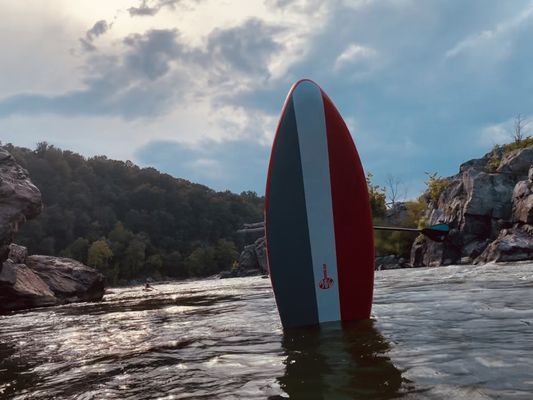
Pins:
x: 254, y: 256
x: 252, y: 261
x: 523, y: 200
x: 34, y: 281
x: 21, y: 288
x: 38, y: 281
x: 513, y: 244
x: 20, y: 200
x: 489, y: 206
x: 68, y: 279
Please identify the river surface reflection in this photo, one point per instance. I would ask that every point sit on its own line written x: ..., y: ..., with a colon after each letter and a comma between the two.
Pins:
x: 337, y: 361
x: 443, y: 333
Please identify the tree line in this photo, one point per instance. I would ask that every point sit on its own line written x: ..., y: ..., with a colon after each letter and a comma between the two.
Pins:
x: 131, y: 222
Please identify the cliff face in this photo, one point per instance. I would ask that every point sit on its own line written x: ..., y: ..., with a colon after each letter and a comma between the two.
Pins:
x: 20, y: 200
x: 489, y: 207
x: 34, y: 281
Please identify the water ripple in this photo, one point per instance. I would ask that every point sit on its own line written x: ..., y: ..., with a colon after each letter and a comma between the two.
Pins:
x: 455, y: 332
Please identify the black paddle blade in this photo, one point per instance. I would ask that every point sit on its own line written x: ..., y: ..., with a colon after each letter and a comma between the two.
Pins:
x: 437, y: 233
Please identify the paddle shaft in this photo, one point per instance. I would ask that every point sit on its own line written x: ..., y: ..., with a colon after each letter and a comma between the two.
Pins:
x: 391, y: 228
x: 379, y: 228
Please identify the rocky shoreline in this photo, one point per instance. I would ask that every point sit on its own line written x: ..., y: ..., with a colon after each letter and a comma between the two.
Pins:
x: 34, y: 281
x: 489, y: 207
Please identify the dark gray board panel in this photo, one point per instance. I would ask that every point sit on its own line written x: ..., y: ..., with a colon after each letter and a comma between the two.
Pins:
x: 289, y: 249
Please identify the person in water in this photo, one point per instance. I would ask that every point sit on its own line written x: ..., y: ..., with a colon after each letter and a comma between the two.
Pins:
x: 148, y: 287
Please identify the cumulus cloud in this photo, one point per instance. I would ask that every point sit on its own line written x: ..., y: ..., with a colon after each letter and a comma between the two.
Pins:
x: 151, y: 8
x: 98, y: 29
x: 305, y: 6
x: 156, y: 69
x: 126, y: 85
x: 246, y: 49
x: 353, y: 54
x: 150, y: 55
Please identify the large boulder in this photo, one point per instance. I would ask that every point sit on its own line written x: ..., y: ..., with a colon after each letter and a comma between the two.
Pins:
x: 47, y: 281
x: 418, y: 250
x: 523, y: 200
x: 252, y: 261
x: 68, y: 279
x: 515, y: 244
x: 516, y: 162
x: 17, y: 253
x: 20, y: 288
x: 488, y: 194
x: 253, y: 256
x: 248, y: 258
x: 261, y: 253
x: 20, y: 200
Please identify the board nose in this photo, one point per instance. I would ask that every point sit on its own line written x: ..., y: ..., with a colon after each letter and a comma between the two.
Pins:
x: 305, y: 84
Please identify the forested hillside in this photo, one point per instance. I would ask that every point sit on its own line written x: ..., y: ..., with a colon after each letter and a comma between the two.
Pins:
x: 131, y: 222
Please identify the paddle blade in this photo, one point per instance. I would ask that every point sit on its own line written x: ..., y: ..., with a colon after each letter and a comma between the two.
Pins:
x: 437, y: 233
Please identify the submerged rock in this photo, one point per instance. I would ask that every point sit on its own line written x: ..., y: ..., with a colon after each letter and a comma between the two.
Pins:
x: 391, y: 261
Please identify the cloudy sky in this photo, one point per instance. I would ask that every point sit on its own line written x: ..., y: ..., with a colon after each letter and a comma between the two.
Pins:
x: 195, y: 87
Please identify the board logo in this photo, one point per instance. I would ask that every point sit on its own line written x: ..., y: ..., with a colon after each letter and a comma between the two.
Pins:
x: 327, y: 281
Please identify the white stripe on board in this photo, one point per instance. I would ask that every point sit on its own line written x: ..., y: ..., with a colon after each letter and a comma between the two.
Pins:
x: 311, y: 126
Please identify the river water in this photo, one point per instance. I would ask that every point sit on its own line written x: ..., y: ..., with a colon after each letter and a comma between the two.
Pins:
x: 441, y: 333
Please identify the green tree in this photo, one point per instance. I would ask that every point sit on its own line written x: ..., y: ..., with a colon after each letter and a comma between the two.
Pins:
x: 78, y: 250
x: 378, y: 198
x: 153, y: 266
x: 225, y: 254
x: 139, y: 212
x: 400, y: 243
x: 202, y: 262
x: 133, y: 259
x: 173, y: 265
x: 119, y: 238
x: 436, y: 185
x: 99, y: 255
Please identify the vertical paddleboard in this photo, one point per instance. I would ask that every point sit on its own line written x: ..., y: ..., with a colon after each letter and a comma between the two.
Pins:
x: 318, y: 221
